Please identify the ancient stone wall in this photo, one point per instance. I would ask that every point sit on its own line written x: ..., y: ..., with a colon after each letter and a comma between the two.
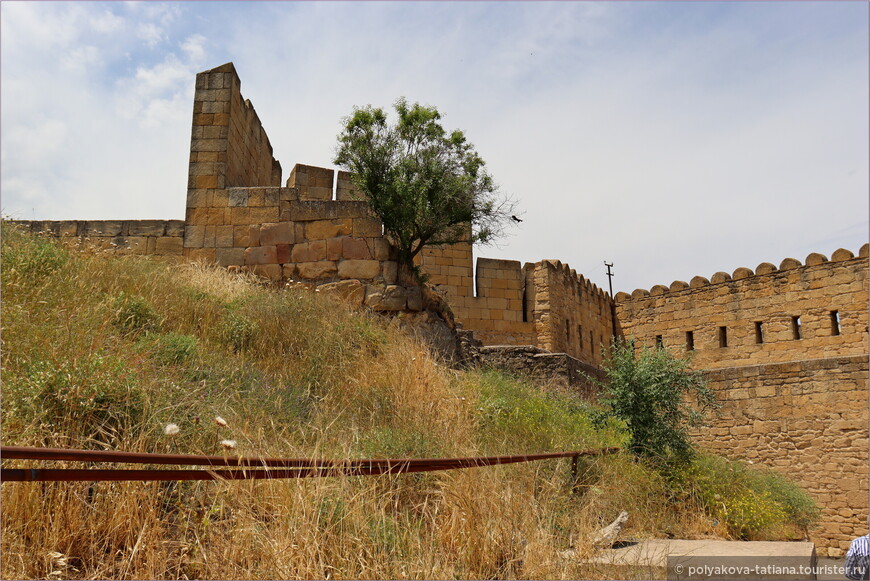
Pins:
x: 542, y: 365
x: 228, y: 147
x: 765, y: 316
x: 498, y: 310
x: 572, y: 315
x: 808, y: 420
x: 155, y: 237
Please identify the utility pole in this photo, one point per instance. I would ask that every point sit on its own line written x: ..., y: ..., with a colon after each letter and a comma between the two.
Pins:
x: 612, y: 303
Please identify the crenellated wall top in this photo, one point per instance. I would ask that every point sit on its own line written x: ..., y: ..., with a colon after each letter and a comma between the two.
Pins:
x: 765, y: 268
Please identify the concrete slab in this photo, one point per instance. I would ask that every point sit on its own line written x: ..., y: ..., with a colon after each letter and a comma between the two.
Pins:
x: 713, y: 559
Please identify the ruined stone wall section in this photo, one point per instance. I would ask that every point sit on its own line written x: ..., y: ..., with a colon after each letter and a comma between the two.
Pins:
x: 496, y: 306
x: 228, y: 147
x: 154, y: 237
x: 808, y: 420
x: 771, y: 315
x: 572, y: 315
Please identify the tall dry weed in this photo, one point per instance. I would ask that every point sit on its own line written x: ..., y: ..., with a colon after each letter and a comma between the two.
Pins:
x: 104, y: 352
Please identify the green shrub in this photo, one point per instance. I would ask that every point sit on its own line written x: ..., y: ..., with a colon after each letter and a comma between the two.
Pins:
x: 93, y: 398
x: 649, y: 392
x: 134, y: 314
x: 237, y: 331
x: 752, y: 503
x: 172, y: 348
x: 30, y: 257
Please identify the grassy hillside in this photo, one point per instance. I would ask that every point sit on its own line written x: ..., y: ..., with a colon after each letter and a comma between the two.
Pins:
x: 103, y: 352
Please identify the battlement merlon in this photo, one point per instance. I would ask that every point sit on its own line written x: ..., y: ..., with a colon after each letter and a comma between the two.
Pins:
x: 765, y: 268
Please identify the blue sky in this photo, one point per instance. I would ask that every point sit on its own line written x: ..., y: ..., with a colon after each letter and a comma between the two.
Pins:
x: 672, y: 138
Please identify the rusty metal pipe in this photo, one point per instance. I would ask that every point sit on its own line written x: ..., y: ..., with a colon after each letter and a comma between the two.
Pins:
x: 289, y: 468
x: 27, y: 453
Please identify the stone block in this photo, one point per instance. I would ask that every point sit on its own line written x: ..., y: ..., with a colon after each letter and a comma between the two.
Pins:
x: 322, y: 229
x: 380, y: 249
x: 223, y: 236
x: 282, y: 252
x: 238, y: 198
x: 315, y: 193
x: 261, y: 255
x: 194, y: 236
x: 262, y: 215
x: 271, y: 196
x: 204, y: 255
x: 137, y: 244
x: 199, y: 198
x: 386, y: 298
x: 316, y: 270
x: 415, y: 299
x: 765, y: 268
x: 841, y: 254
x: 391, y: 272
x: 169, y: 246
x: 277, y: 233
x: 306, y: 211
x: 351, y: 291
x: 272, y: 272
x: 246, y: 235
x: 367, y: 227
x: 313, y: 251
x: 256, y: 197
x: 208, y: 238
x: 71, y: 228
x: 214, y: 145
x: 333, y: 248
x: 103, y: 228
x: 230, y: 256
x: 355, y: 249
x: 359, y: 269
x: 146, y: 227
x: 205, y: 216
x: 742, y: 273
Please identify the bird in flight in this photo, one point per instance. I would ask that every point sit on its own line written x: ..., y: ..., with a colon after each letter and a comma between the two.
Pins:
x: 515, y: 219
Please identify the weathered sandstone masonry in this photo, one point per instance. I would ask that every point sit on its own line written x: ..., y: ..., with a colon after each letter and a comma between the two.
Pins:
x: 767, y: 316
x: 786, y: 348
x: 154, y: 237
x: 808, y: 420
x: 545, y: 304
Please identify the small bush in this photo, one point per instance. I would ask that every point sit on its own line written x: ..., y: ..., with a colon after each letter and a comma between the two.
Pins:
x: 237, y: 331
x: 751, y: 503
x: 649, y: 391
x: 134, y: 314
x: 30, y: 257
x: 93, y: 398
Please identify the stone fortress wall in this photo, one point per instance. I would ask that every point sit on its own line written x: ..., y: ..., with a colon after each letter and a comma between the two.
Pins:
x: 152, y: 237
x: 785, y: 348
x: 771, y: 315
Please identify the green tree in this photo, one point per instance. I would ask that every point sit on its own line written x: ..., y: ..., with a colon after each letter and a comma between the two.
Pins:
x: 658, y: 397
x: 429, y: 187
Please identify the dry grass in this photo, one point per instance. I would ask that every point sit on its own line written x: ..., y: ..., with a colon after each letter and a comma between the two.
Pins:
x: 103, y: 352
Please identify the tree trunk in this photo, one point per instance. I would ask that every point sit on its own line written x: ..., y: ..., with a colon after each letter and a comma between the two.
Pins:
x: 407, y: 274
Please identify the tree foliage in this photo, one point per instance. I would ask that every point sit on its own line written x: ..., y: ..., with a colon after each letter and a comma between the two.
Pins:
x: 428, y: 186
x: 658, y: 397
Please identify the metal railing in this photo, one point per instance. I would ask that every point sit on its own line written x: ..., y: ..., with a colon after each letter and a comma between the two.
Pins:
x: 245, y: 468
